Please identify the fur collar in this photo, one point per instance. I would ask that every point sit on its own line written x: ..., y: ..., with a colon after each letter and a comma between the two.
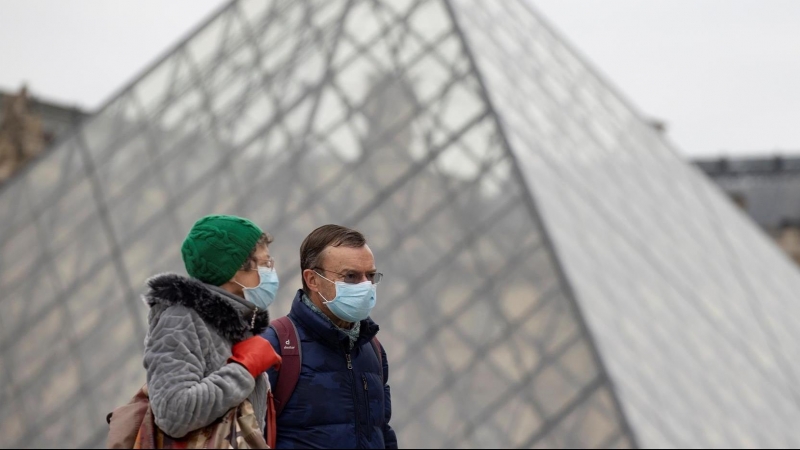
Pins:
x: 229, y: 319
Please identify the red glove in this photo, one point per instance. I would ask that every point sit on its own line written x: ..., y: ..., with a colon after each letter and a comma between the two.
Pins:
x: 256, y: 355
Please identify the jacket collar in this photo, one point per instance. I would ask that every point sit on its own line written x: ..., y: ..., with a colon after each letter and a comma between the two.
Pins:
x: 324, y: 330
x: 230, y: 315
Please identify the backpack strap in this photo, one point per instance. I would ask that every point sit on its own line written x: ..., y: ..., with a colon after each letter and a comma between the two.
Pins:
x: 292, y: 356
x: 376, y: 344
x: 271, y: 433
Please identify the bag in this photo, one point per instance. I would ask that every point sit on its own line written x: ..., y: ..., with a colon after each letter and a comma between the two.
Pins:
x: 292, y: 363
x: 133, y: 427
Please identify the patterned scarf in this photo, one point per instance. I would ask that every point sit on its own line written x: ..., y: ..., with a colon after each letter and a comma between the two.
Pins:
x: 353, y: 334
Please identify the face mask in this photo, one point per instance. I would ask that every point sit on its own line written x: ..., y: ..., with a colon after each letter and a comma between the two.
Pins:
x: 264, y: 294
x: 353, y: 302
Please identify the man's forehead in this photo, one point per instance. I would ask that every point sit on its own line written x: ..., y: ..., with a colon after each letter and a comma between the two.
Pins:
x: 347, y: 258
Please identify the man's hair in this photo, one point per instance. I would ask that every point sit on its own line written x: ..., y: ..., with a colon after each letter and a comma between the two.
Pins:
x: 251, y: 263
x: 311, y: 252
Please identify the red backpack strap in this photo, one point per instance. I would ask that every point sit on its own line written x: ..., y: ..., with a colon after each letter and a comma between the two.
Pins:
x: 272, y: 422
x: 292, y: 356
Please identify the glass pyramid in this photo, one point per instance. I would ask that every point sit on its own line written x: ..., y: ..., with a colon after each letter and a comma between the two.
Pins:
x: 556, y: 275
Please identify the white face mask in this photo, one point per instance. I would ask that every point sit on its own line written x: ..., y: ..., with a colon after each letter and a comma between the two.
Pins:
x: 263, y: 295
x: 353, y: 302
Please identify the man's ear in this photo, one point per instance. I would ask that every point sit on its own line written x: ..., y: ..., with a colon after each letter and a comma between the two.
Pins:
x: 311, y: 279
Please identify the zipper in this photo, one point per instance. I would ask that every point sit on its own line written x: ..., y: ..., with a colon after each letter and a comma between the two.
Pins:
x: 366, y: 401
x: 355, y: 392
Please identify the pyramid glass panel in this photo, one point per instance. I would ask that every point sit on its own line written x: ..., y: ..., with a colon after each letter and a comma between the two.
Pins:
x: 556, y: 276
x: 668, y: 270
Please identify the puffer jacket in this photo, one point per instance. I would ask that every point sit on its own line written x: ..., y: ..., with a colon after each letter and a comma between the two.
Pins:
x: 192, y: 328
x: 333, y: 406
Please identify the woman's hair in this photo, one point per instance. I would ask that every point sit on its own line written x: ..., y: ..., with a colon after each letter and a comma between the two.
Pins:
x: 252, y: 262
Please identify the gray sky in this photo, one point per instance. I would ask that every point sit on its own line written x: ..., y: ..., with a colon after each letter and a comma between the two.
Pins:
x: 722, y: 74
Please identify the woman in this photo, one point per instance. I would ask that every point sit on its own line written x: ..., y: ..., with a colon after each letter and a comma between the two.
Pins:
x: 201, y: 356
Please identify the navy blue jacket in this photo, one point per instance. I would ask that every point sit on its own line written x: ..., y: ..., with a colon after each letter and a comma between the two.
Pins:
x: 333, y: 406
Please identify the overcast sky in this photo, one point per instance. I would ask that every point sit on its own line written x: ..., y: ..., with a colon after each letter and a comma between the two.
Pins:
x: 723, y: 74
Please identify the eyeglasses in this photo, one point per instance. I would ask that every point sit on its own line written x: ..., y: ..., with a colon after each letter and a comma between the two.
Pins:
x: 269, y: 264
x: 355, y: 277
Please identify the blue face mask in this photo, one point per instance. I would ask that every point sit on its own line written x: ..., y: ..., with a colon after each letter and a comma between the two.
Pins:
x: 264, y: 294
x: 353, y: 302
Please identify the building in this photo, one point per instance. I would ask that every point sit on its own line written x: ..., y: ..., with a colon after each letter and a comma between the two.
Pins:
x: 556, y: 275
x: 768, y: 189
x: 27, y: 126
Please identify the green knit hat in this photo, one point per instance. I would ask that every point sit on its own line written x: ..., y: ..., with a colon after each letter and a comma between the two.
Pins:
x: 218, y: 246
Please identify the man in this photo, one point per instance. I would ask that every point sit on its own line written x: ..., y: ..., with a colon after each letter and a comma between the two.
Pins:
x: 342, y: 397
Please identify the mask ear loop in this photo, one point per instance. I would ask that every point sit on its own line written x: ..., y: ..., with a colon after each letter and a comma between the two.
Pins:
x: 245, y: 287
x: 255, y: 311
x: 326, y: 302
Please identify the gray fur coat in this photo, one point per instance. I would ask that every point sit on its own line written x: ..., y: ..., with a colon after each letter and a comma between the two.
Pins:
x: 192, y: 329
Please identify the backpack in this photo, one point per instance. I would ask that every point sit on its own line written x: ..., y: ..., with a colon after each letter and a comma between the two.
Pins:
x: 133, y: 426
x: 292, y: 355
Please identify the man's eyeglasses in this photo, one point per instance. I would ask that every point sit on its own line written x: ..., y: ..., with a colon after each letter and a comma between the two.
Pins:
x: 355, y: 277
